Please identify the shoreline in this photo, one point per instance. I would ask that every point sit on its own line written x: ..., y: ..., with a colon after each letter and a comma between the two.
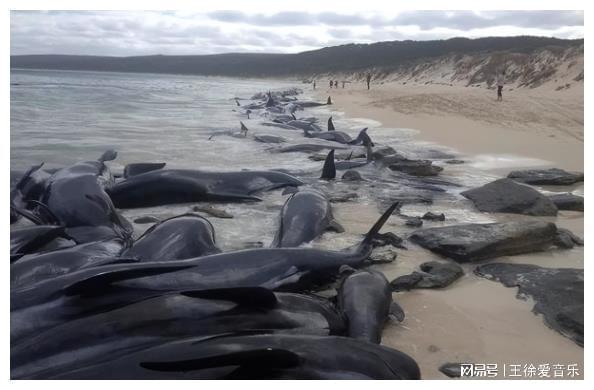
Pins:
x: 539, y: 124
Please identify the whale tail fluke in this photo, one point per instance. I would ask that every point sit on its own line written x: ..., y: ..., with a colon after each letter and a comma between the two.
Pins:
x: 329, y: 101
x: 329, y: 170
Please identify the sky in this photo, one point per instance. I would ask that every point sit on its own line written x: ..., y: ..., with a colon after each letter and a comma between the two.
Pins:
x: 127, y: 33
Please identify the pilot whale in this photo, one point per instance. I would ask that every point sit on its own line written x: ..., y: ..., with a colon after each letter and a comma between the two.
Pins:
x: 169, y: 186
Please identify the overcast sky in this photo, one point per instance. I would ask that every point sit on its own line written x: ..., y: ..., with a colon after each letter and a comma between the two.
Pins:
x: 124, y: 33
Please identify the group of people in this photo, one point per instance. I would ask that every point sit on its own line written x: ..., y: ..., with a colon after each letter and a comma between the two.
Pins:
x: 500, y: 80
x: 334, y: 83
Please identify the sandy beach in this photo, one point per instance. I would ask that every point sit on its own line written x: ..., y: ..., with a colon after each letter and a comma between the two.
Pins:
x: 540, y: 123
x: 476, y: 320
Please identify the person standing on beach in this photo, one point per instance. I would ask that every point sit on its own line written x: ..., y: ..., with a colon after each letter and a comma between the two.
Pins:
x: 331, y: 84
x: 500, y: 81
x: 314, y: 84
x: 368, y: 78
x: 335, y: 83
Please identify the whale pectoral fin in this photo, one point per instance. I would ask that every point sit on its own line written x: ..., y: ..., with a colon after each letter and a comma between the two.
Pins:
x: 245, y: 296
x: 335, y: 226
x: 293, y: 275
x: 254, y: 359
x: 99, y: 277
x: 396, y: 312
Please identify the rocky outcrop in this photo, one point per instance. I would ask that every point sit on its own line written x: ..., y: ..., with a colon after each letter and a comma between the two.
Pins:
x: 551, y: 177
x: 416, y: 167
x: 351, y: 175
x: 429, y: 216
x: 434, y: 274
x: 566, y: 239
x: 568, y: 201
x: 475, y: 241
x: 558, y: 293
x: 507, y: 196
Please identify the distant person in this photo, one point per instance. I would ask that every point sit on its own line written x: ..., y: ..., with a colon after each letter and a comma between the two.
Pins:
x: 343, y: 84
x: 335, y: 83
x: 368, y: 78
x: 500, y: 82
x: 314, y: 84
x: 331, y: 83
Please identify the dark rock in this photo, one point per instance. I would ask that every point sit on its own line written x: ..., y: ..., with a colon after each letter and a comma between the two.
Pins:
x: 452, y: 370
x: 406, y: 282
x: 568, y: 201
x: 475, y: 241
x: 454, y: 161
x: 387, y: 158
x: 219, y: 213
x: 384, y: 151
x: 389, y: 238
x: 439, y: 275
x: 507, y: 196
x: 352, y: 176
x: 435, y: 154
x: 567, y: 240
x: 383, y: 256
x: 414, y: 221
x: 147, y: 219
x: 429, y: 216
x: 434, y: 274
x: 558, y: 293
x: 416, y: 167
x: 553, y: 176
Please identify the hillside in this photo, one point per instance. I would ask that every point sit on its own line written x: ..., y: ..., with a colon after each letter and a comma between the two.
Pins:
x: 531, y: 60
x: 553, y: 67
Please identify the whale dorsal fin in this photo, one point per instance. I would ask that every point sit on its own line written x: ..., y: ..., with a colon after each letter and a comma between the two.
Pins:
x: 330, y: 124
x: 329, y: 169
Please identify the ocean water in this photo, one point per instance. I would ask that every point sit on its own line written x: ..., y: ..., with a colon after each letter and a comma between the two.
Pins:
x: 61, y: 117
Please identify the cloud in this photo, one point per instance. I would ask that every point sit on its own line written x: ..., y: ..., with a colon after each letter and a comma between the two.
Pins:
x: 183, y: 32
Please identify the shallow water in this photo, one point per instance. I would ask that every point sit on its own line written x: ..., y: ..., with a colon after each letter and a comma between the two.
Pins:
x: 63, y: 117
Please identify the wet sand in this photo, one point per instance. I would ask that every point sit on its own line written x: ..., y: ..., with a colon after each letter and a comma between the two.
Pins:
x: 474, y: 319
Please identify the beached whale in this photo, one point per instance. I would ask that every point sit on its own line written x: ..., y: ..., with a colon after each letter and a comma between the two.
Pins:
x: 99, y: 338
x: 335, y: 136
x: 365, y: 298
x: 138, y: 168
x: 308, y: 148
x: 180, y: 237
x: 269, y: 139
x: 304, y: 125
x: 169, y: 186
x: 274, y: 268
x: 305, y: 215
x: 32, y: 238
x: 74, y: 197
x: 33, y: 268
x: 258, y: 356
